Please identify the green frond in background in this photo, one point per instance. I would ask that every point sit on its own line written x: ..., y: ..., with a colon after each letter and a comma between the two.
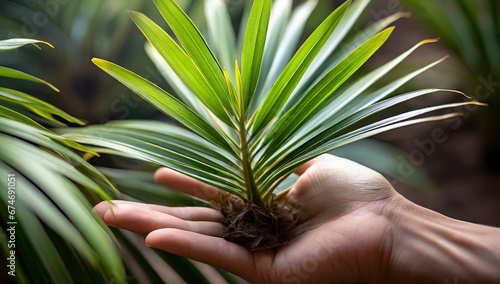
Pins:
x: 250, y: 132
x: 54, y: 224
x: 58, y: 237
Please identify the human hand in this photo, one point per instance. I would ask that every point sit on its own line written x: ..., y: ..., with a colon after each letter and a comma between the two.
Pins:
x: 357, y: 230
x: 340, y: 242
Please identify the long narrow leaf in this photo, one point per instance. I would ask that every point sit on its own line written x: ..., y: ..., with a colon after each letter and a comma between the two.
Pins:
x: 279, y: 19
x: 347, y: 102
x: 351, y: 16
x: 284, y: 52
x: 165, y: 103
x: 221, y: 32
x: 14, y: 43
x: 195, y: 45
x: 52, y: 174
x: 328, y: 143
x: 180, y: 89
x: 343, y: 141
x: 37, y: 106
x: 11, y: 73
x: 253, y: 48
x: 312, y: 101
x: 142, y: 150
x: 182, y: 65
x: 292, y: 74
x: 348, y: 45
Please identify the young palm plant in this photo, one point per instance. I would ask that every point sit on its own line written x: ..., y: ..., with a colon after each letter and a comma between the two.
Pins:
x: 248, y: 124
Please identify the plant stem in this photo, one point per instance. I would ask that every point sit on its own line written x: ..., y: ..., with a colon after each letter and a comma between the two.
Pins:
x: 252, y: 192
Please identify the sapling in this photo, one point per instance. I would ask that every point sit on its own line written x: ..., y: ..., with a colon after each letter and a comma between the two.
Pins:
x: 246, y: 125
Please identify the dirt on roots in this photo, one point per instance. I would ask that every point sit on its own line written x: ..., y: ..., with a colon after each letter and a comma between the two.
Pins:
x: 256, y: 228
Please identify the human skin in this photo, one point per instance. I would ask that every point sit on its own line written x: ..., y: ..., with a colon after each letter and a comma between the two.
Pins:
x: 358, y: 229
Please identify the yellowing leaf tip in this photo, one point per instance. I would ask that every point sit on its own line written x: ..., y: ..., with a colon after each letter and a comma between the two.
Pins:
x: 431, y: 40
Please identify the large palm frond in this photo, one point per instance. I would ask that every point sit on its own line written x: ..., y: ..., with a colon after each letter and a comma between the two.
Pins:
x: 45, y: 206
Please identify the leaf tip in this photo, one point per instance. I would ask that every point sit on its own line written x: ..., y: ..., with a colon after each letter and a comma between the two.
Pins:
x: 458, y: 92
x: 479, y: 103
x: 405, y: 14
x: 89, y: 155
x: 98, y: 61
x: 432, y: 40
x: 443, y: 59
x: 133, y: 14
x: 50, y: 45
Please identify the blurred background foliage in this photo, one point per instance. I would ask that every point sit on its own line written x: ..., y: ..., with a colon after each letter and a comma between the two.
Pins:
x: 464, y: 167
x: 79, y: 31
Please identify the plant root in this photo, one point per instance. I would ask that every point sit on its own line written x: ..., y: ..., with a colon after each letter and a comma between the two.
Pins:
x: 254, y: 227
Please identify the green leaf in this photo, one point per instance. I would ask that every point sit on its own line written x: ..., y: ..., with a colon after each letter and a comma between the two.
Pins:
x: 37, y: 106
x: 165, y: 103
x: 348, y: 45
x: 11, y: 73
x: 221, y: 33
x: 180, y: 89
x: 253, y: 48
x: 40, y: 205
x: 182, y: 65
x: 28, y: 224
x: 184, y: 93
x: 173, y: 138
x: 14, y: 43
x: 195, y: 46
x: 278, y: 21
x: 292, y: 74
x: 312, y: 136
x: 351, y: 16
x: 134, y: 248
x: 313, y: 100
x: 148, y: 148
x: 40, y: 137
x: 57, y: 165
x: 51, y: 174
x: 14, y: 115
x: 329, y: 143
x: 284, y: 52
x: 347, y: 103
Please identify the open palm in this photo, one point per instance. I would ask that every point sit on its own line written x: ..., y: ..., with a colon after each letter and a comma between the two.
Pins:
x: 342, y: 240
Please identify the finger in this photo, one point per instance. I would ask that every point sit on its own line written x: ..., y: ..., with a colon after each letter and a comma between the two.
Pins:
x: 143, y: 219
x: 186, y: 213
x: 211, y: 250
x: 185, y: 184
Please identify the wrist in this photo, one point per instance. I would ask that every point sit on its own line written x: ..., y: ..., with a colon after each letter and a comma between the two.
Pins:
x: 424, y: 246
